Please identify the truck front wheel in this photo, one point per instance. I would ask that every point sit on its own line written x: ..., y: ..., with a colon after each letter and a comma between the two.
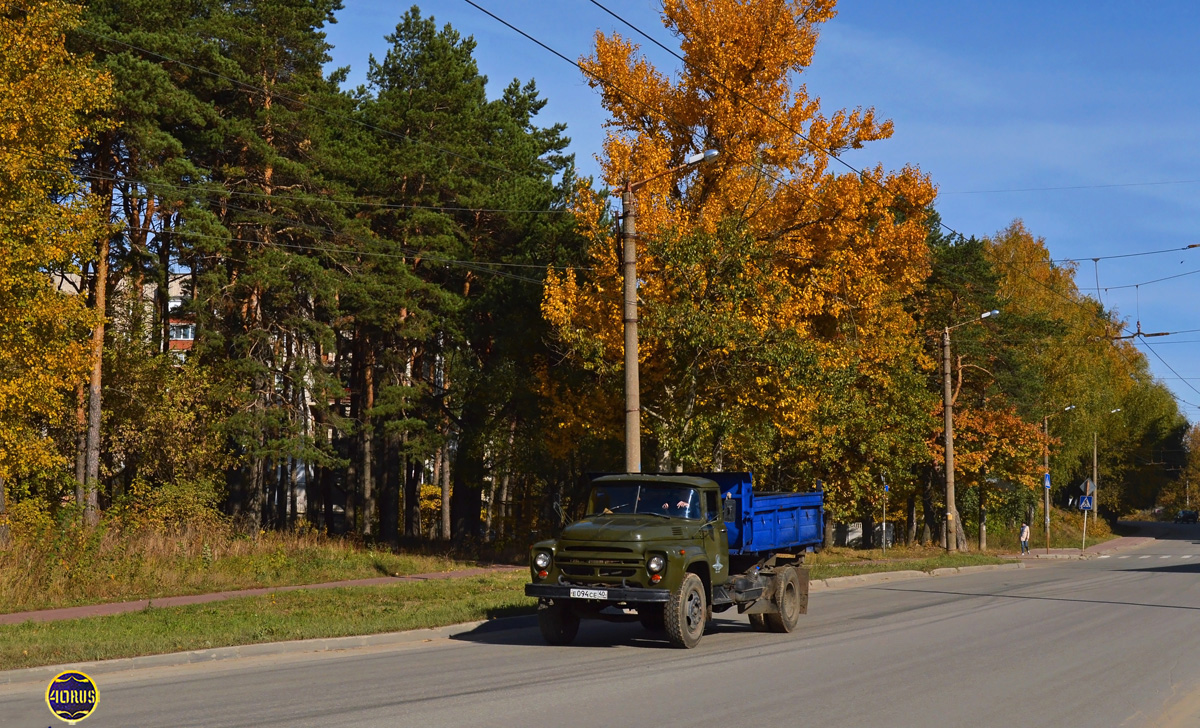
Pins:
x: 787, y: 598
x: 686, y: 612
x: 558, y: 622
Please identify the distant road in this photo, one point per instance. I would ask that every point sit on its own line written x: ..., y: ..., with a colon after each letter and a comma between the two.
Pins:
x: 1112, y: 641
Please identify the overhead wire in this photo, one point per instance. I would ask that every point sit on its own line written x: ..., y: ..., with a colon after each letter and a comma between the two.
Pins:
x: 1076, y: 187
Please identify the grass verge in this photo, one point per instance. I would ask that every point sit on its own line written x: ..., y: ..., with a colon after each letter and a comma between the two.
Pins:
x: 836, y: 562
x: 73, y: 567
x: 278, y: 617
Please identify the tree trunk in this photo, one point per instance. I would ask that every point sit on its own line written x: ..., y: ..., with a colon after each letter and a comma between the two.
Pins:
x: 413, y: 469
x: 80, y: 445
x: 366, y: 441
x: 982, y: 520
x: 960, y: 534
x: 445, y: 455
x: 868, y: 531
x: 3, y: 516
x: 92, y: 477
x: 391, y: 484
x: 910, y: 519
x: 933, y: 524
x: 830, y: 532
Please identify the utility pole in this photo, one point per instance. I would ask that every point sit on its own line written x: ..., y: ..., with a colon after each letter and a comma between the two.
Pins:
x: 1046, y: 465
x: 948, y: 413
x: 633, y: 405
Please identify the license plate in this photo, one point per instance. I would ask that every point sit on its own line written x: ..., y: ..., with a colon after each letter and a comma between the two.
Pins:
x: 589, y: 594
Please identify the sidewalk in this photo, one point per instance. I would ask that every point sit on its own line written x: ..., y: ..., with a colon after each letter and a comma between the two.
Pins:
x: 103, y: 610
x: 1122, y: 543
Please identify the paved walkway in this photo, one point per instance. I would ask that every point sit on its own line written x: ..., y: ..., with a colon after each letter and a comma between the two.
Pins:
x: 102, y: 610
x: 1116, y: 544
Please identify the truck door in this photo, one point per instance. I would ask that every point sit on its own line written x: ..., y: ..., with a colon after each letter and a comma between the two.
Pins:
x: 715, y: 538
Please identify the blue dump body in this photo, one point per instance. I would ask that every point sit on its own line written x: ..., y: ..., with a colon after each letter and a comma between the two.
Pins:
x: 759, y: 522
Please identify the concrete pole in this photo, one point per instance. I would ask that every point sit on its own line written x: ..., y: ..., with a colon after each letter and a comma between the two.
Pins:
x: 948, y: 412
x: 633, y: 435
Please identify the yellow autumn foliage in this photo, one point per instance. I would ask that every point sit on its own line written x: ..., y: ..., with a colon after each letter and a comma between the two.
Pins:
x: 46, y: 226
x: 828, y: 253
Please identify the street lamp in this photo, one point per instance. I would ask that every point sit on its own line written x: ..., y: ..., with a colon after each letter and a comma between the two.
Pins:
x: 633, y: 435
x: 948, y: 412
x: 1046, y: 464
x: 1095, y: 484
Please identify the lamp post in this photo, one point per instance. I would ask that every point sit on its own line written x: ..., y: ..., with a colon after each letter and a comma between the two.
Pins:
x: 1046, y: 465
x: 1095, y: 484
x: 633, y: 434
x: 948, y: 412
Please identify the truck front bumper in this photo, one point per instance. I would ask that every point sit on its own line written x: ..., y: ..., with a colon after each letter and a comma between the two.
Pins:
x: 559, y: 591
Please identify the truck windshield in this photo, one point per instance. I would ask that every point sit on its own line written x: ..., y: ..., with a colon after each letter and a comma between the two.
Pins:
x: 655, y: 498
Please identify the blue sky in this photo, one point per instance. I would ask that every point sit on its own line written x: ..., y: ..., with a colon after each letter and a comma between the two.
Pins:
x: 986, y: 97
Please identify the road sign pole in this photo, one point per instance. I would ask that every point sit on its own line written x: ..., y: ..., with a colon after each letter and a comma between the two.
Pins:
x: 1046, y: 508
x: 1084, y: 546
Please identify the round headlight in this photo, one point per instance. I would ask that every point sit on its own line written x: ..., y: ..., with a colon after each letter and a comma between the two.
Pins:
x: 656, y: 564
x: 542, y: 560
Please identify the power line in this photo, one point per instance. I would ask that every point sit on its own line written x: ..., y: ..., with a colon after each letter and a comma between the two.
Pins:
x: 1156, y: 280
x: 1076, y: 187
x: 1123, y: 255
x: 1168, y: 366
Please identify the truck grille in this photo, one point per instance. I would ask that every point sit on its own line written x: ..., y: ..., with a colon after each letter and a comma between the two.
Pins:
x: 598, y: 562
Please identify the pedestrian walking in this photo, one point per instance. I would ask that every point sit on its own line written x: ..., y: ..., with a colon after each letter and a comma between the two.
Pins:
x: 1024, y: 538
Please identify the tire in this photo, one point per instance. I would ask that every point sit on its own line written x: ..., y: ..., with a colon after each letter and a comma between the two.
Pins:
x: 788, y: 598
x: 758, y: 623
x: 686, y: 613
x: 558, y: 622
x: 652, y: 618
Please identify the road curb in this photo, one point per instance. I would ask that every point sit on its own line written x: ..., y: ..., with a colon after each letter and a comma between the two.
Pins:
x: 880, y: 577
x: 218, y: 654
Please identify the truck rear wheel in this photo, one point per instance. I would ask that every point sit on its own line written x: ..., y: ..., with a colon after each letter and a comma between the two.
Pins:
x: 686, y: 613
x: 558, y: 622
x: 787, y: 598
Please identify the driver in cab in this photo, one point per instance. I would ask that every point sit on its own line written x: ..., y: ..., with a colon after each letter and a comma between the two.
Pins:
x: 680, y: 503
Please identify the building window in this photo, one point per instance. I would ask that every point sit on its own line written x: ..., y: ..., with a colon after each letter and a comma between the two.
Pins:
x: 183, y: 332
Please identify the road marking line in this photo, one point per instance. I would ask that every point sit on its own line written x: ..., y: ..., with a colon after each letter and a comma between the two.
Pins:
x: 1106, y: 556
x: 1122, y: 557
x: 1143, y: 557
x: 1165, y: 557
x: 1187, y: 556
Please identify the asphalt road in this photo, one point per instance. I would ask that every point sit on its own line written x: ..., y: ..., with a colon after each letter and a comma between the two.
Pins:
x: 1106, y: 642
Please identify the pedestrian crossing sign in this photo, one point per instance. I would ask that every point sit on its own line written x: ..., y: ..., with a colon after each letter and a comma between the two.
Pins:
x: 1085, y: 502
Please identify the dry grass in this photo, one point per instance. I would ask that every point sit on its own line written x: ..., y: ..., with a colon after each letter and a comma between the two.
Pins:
x: 72, y: 566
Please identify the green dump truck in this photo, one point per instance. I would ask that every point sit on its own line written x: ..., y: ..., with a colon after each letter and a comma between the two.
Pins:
x: 670, y: 550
